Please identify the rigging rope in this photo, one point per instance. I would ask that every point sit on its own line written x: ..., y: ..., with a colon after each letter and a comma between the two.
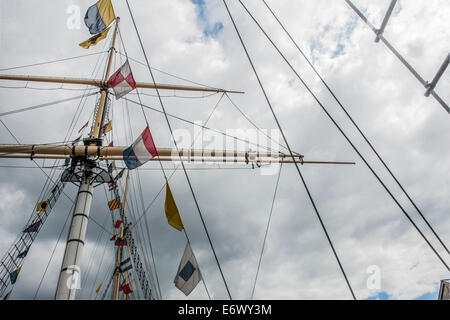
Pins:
x: 91, y: 259
x: 103, y: 254
x: 90, y: 218
x: 203, y: 126
x: 160, y: 163
x: 291, y: 153
x: 267, y: 231
x: 53, y: 61
x: 253, y: 124
x: 172, y: 75
x: 147, y: 229
x: 176, y: 96
x: 45, y: 89
x: 176, y: 146
x: 355, y: 125
x: 345, y: 136
x: 53, y: 252
x: 45, y: 104
x: 195, y: 139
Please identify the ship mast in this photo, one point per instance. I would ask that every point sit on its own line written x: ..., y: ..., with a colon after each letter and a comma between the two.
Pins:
x: 70, y: 270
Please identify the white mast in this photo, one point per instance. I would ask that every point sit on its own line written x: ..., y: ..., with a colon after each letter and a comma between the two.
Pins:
x: 70, y: 269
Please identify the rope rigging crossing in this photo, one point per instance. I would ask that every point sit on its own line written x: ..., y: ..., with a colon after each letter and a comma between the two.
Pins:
x: 355, y: 125
x: 267, y: 231
x: 348, y: 140
x: 291, y: 153
x: 176, y: 146
x: 143, y: 246
x: 14, y: 257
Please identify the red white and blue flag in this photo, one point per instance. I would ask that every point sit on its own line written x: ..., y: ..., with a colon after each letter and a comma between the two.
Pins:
x: 122, y: 81
x: 142, y: 150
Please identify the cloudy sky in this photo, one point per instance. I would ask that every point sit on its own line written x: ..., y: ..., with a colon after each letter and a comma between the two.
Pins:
x: 195, y: 40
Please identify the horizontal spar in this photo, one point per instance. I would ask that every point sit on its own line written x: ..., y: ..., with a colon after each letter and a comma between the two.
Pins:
x: 118, y: 151
x: 104, y: 84
x: 185, y: 159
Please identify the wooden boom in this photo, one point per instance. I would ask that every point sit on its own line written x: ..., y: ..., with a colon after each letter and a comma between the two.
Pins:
x: 165, y: 154
x: 104, y: 84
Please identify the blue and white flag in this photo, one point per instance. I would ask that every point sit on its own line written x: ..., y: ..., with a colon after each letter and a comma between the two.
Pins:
x: 188, y: 274
x: 125, y: 265
x: 99, y: 16
x: 142, y: 150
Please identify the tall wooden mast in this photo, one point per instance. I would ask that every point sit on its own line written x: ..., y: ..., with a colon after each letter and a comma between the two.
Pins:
x: 69, y: 275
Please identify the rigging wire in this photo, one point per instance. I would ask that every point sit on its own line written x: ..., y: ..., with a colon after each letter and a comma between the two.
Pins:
x: 45, y: 104
x: 53, y: 61
x: 81, y: 105
x: 53, y: 252
x: 49, y: 177
x: 267, y: 231
x: 47, y: 182
x: 202, y: 126
x: 345, y: 136
x: 291, y: 153
x: 145, y: 216
x: 169, y: 74
x: 177, y: 96
x: 253, y: 124
x: 91, y: 259
x: 44, y: 89
x: 147, y: 229
x: 99, y: 266
x: 35, y: 161
x: 110, y: 281
x: 176, y: 146
x: 354, y: 124
x: 160, y: 163
x: 176, y: 168
x: 104, y: 248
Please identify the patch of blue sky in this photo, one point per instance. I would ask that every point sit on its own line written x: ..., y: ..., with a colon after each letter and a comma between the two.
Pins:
x: 380, y: 296
x: 208, y: 29
x: 214, y: 30
x: 200, y: 8
x: 339, y: 49
x: 429, y: 296
x: 385, y: 296
x: 350, y: 27
x: 316, y: 44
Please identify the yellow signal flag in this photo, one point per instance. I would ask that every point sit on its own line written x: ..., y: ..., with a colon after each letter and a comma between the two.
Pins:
x: 106, y: 11
x: 43, y: 206
x: 114, y: 204
x: 99, y: 287
x: 92, y: 41
x: 170, y: 207
x: 107, y: 127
